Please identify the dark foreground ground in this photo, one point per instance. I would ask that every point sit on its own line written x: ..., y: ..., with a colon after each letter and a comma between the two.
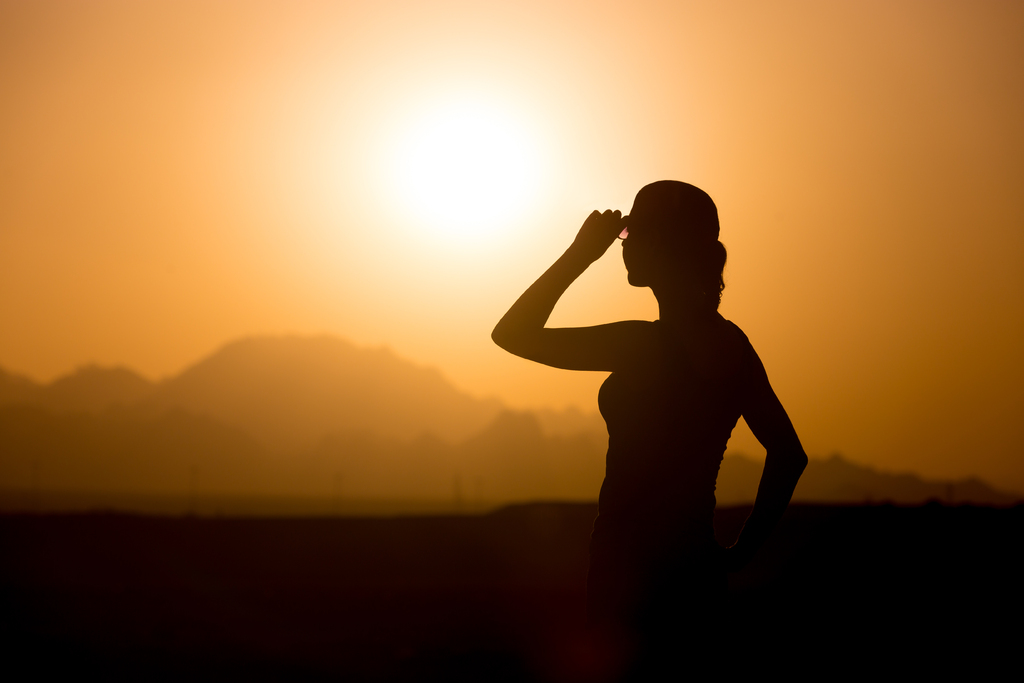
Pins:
x: 837, y: 592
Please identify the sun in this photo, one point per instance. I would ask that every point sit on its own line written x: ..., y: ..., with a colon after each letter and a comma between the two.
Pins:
x: 467, y: 169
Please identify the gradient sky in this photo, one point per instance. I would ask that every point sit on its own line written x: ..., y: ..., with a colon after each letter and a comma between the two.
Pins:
x: 175, y: 175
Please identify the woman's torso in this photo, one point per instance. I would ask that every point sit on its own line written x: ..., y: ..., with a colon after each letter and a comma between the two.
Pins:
x: 669, y: 418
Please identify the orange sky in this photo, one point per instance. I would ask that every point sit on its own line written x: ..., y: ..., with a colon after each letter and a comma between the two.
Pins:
x: 174, y: 175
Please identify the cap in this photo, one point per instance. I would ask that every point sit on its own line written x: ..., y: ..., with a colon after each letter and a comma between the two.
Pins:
x: 686, y: 209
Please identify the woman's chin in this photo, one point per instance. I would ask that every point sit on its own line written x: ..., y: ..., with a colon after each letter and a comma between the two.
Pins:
x: 637, y: 280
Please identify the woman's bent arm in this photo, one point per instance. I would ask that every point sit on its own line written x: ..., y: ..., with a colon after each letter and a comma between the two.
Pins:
x: 784, y: 463
x: 521, y: 330
x: 781, y: 472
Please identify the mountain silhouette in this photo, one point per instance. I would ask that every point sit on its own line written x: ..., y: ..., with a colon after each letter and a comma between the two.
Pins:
x: 511, y: 459
x: 837, y: 480
x: 18, y: 390
x: 319, y: 417
x: 115, y: 452
x: 91, y: 389
x: 516, y: 459
x: 290, y: 392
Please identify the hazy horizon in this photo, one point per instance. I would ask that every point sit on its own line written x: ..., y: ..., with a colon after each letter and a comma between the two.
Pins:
x: 315, y: 425
x: 364, y: 448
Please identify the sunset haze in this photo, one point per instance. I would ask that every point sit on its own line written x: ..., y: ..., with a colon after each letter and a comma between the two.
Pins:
x: 177, y: 176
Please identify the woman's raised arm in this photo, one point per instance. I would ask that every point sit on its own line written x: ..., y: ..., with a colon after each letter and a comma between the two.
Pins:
x: 521, y: 330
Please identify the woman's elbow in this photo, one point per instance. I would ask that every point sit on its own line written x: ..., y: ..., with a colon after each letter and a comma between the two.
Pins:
x: 793, y: 459
x: 797, y: 461
x: 499, y: 335
x: 507, y: 339
x: 515, y: 341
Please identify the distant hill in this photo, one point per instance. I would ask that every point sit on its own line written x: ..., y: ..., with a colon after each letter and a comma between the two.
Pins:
x: 172, y: 453
x: 286, y: 392
x: 570, y: 422
x: 17, y: 390
x: 90, y: 389
x: 511, y: 459
x: 517, y: 460
x: 290, y: 392
x: 837, y: 480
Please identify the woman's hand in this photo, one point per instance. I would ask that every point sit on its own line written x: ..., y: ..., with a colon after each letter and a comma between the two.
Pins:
x: 597, y: 234
x: 732, y: 558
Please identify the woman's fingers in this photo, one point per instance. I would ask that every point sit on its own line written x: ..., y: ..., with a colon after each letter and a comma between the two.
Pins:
x: 598, y: 233
x: 606, y: 223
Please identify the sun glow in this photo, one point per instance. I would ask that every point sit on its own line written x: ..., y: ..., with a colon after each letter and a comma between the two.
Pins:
x: 468, y: 170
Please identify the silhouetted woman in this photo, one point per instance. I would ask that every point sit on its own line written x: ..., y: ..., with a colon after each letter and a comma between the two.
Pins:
x: 677, y: 388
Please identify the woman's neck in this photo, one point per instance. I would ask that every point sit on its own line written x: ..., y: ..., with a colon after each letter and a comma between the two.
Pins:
x: 682, y: 307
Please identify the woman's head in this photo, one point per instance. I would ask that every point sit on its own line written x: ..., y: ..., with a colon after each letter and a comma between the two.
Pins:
x: 672, y: 240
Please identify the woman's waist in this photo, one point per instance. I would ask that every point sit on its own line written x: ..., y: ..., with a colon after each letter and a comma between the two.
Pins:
x: 663, y: 528
x: 645, y: 548
x: 677, y: 482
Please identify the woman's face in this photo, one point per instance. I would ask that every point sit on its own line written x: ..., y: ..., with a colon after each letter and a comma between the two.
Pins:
x: 640, y: 253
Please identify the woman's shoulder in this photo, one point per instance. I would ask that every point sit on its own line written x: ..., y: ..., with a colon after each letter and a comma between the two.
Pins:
x: 749, y: 363
x: 740, y: 344
x: 737, y: 335
x: 734, y: 347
